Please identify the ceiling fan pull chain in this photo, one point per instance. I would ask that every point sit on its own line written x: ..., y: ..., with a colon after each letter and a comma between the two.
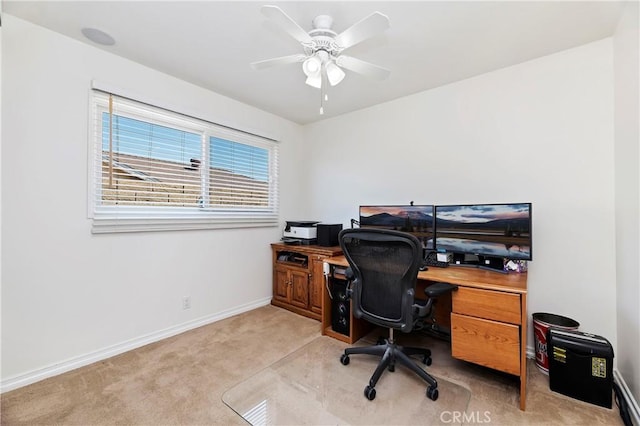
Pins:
x: 322, y: 90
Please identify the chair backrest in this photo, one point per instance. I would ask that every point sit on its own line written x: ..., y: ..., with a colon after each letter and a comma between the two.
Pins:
x: 385, y: 268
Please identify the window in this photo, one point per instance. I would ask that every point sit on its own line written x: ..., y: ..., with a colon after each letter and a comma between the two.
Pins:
x: 154, y: 169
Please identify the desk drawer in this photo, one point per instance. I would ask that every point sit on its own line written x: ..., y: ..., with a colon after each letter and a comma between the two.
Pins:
x: 489, y: 343
x: 488, y: 304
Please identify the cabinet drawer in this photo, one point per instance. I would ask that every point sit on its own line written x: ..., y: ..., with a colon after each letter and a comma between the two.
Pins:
x: 488, y: 304
x: 492, y: 344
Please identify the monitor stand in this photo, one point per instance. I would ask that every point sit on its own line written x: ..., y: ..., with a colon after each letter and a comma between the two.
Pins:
x: 466, y: 260
x: 490, y: 263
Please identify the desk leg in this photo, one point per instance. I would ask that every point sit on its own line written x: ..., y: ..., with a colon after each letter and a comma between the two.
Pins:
x: 523, y: 351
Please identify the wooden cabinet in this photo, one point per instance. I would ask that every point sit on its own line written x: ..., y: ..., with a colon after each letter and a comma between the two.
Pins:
x: 291, y: 286
x: 298, y: 278
x: 485, y: 328
x: 488, y: 327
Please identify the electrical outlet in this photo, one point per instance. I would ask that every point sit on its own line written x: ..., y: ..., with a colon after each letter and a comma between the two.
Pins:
x: 186, y: 302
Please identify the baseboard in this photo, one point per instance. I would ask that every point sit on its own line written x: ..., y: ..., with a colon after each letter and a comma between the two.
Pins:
x: 634, y: 410
x: 531, y: 353
x: 33, y: 376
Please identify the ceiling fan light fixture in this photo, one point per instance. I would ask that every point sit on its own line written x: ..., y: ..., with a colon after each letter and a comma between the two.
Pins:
x: 334, y: 73
x: 315, y: 80
x: 311, y: 66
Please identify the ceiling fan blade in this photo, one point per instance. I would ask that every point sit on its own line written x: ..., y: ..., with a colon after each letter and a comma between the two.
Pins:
x: 362, y: 67
x: 362, y: 30
x: 282, y: 60
x: 278, y: 16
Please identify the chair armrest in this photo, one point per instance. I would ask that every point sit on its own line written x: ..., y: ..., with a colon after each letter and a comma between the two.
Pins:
x: 432, y: 291
x: 420, y: 310
x: 438, y: 289
x: 349, y: 275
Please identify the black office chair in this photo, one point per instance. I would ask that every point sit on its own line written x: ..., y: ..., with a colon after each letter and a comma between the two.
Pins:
x: 383, y: 273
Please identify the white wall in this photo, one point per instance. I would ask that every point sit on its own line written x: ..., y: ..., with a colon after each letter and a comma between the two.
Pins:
x: 627, y: 186
x: 69, y: 297
x: 541, y: 131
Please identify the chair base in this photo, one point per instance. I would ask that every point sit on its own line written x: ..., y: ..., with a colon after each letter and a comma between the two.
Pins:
x: 391, y: 353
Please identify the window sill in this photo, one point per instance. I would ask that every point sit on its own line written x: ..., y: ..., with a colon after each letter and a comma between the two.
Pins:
x: 106, y: 224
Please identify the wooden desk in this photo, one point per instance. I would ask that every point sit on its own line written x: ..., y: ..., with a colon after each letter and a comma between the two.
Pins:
x: 488, y: 317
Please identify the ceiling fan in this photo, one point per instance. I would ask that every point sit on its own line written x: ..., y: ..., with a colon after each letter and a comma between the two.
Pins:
x: 323, y: 59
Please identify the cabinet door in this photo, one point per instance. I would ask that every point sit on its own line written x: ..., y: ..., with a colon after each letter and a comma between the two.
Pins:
x: 300, y: 289
x: 316, y: 286
x: 281, y: 284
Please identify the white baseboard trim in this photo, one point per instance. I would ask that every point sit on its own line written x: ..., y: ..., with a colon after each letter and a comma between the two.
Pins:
x: 634, y: 410
x: 33, y: 376
x: 531, y: 353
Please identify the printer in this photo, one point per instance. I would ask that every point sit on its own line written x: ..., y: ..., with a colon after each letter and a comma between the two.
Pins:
x: 300, y: 232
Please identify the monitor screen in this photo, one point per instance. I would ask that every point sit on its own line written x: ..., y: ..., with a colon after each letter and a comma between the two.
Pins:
x: 495, y: 230
x: 416, y: 220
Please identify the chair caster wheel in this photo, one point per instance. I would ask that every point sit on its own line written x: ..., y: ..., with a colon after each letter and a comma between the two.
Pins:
x: 370, y: 393
x: 344, y: 359
x: 426, y: 360
x: 391, y: 368
x: 381, y: 341
x: 432, y: 393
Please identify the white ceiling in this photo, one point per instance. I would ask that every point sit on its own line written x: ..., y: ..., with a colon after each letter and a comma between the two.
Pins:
x: 429, y: 44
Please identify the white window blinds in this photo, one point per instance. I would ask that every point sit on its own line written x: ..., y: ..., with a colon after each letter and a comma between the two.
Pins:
x: 154, y: 169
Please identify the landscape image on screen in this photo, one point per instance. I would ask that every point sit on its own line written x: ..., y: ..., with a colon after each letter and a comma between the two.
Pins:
x: 498, y: 230
x: 416, y: 220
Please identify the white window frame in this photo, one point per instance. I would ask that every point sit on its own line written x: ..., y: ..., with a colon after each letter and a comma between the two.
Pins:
x: 111, y: 219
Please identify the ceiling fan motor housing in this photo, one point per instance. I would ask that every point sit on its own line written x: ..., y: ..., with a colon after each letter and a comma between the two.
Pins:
x: 322, y: 37
x: 322, y: 42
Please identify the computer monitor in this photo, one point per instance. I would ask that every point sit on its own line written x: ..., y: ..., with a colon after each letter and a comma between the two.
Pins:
x: 488, y: 230
x: 414, y: 219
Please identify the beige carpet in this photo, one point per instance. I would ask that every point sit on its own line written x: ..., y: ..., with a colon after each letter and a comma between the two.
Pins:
x: 177, y: 381
x: 181, y: 381
x: 311, y: 386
